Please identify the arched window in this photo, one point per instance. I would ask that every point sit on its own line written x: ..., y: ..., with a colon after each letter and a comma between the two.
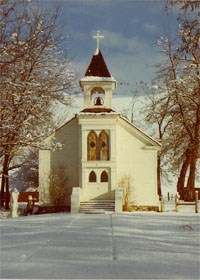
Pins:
x: 98, y: 101
x: 104, y: 176
x: 92, y: 146
x: 103, y: 145
x: 98, y: 96
x: 92, y: 177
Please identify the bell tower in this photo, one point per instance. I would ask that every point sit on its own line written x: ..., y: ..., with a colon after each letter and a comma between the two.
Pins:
x: 97, y: 84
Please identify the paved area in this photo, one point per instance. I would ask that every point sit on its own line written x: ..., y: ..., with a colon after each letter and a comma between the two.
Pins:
x: 111, y: 246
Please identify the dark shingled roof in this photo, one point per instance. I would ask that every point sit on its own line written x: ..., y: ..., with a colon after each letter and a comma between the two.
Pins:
x: 97, y: 110
x: 97, y: 67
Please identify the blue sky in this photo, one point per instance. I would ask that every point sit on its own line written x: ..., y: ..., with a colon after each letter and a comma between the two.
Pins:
x: 130, y: 28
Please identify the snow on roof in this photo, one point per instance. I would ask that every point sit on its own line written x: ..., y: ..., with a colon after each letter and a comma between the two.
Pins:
x: 97, y: 79
x: 98, y: 113
x: 97, y: 110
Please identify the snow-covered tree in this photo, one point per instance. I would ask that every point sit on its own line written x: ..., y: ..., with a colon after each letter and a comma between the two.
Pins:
x: 184, y: 5
x: 178, y: 106
x: 35, y: 73
x: 156, y: 106
x: 26, y: 176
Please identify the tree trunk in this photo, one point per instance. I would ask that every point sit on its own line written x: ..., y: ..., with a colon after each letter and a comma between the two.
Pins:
x: 2, y: 190
x: 5, y: 197
x: 191, y: 178
x: 182, y: 175
x: 194, y: 156
x: 159, y: 191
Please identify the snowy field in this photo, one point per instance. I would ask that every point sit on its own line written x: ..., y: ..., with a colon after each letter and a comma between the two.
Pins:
x: 111, y: 246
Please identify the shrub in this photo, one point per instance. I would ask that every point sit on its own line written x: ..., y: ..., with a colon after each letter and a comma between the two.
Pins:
x: 126, y: 183
x: 58, y: 186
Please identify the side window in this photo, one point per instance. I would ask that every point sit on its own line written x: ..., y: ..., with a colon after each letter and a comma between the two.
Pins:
x: 104, y: 176
x: 92, y: 177
x: 103, y: 146
x: 92, y: 146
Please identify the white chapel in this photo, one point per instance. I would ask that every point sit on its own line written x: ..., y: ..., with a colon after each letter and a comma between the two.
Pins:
x: 99, y: 147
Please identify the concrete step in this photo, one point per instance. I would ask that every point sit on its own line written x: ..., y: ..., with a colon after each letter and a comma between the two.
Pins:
x: 97, y: 206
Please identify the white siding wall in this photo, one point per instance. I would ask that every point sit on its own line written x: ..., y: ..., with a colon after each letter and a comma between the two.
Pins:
x: 140, y: 164
x: 44, y: 172
x: 68, y: 156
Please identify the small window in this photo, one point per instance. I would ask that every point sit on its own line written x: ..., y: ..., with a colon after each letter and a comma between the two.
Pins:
x: 104, y: 176
x: 92, y: 177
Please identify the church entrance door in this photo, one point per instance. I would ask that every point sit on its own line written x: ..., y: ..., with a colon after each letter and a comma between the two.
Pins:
x: 97, y: 186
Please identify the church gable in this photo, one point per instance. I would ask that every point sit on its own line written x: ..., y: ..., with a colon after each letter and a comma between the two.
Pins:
x: 65, y: 131
x: 138, y: 134
x: 59, y: 132
x: 68, y: 138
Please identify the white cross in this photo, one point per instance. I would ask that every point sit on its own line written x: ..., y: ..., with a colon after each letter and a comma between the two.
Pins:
x: 98, y: 37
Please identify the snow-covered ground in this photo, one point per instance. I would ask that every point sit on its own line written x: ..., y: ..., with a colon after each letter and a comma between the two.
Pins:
x: 111, y: 246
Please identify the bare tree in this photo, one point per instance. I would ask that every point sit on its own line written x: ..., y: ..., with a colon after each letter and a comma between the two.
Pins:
x: 157, y: 113
x: 34, y: 75
x: 26, y: 175
x: 184, y: 5
x: 179, y: 78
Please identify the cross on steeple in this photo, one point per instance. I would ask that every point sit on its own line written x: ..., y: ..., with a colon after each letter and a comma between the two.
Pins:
x: 98, y: 37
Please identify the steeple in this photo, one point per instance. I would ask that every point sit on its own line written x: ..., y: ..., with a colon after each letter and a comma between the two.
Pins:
x: 97, y: 66
x: 97, y: 84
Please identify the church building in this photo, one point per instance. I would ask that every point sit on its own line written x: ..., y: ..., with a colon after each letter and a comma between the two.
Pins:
x: 100, y: 147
